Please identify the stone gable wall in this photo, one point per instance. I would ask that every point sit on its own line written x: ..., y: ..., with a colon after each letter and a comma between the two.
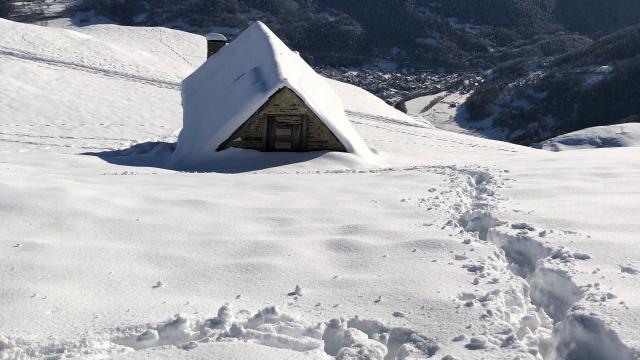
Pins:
x: 252, y: 133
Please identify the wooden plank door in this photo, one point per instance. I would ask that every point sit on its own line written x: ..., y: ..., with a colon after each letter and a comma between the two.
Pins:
x: 285, y: 132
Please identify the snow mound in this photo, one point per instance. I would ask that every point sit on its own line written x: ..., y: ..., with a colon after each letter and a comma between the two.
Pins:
x: 233, y: 84
x: 620, y: 135
x: 355, y: 339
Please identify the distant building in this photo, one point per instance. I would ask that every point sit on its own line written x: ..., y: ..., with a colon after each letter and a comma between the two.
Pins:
x: 255, y: 93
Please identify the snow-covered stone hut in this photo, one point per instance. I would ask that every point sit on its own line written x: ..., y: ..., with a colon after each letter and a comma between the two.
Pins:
x: 255, y: 93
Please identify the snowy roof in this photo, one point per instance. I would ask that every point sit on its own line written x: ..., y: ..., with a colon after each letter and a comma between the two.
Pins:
x: 231, y: 86
x: 216, y: 37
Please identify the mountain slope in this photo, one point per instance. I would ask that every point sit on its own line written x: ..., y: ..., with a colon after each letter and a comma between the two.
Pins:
x: 533, y: 100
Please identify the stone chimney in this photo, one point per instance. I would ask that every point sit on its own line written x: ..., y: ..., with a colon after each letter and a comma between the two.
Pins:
x: 215, y: 42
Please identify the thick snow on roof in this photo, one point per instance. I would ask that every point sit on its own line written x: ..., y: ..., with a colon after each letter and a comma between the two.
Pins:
x: 619, y: 135
x: 233, y: 84
x: 359, y: 102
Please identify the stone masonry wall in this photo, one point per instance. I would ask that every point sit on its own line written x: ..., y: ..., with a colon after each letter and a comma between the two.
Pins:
x: 252, y: 134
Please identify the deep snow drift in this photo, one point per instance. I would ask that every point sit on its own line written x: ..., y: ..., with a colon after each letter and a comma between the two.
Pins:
x: 619, y: 135
x: 451, y: 247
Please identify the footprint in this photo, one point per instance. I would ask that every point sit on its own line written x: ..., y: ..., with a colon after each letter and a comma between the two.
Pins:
x: 629, y: 270
x: 296, y: 292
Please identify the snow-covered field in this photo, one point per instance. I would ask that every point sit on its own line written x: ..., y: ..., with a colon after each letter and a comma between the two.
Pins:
x: 445, y: 111
x: 447, y: 246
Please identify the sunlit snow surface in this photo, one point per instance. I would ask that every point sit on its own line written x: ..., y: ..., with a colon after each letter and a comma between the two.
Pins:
x: 445, y: 245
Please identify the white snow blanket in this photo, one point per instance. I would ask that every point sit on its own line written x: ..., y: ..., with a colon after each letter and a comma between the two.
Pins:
x: 619, y: 135
x: 232, y: 85
x: 453, y: 247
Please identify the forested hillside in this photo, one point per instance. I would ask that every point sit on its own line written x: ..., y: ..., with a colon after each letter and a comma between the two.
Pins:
x: 597, y: 16
x: 534, y: 99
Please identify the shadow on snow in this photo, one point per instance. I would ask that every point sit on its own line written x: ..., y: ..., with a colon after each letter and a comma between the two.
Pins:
x: 158, y: 155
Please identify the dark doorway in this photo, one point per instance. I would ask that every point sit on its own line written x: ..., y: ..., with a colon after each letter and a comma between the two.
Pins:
x: 286, y: 132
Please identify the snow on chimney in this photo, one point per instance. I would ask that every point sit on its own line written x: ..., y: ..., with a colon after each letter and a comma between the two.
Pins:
x: 215, y: 42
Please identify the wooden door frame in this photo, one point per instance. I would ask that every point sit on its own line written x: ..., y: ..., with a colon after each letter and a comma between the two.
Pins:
x: 270, y: 132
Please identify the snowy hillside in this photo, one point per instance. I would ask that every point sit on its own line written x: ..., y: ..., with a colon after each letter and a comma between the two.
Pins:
x: 595, y: 137
x: 446, y: 246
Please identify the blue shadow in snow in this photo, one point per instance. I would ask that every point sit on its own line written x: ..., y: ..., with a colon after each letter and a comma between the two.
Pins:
x: 230, y: 161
